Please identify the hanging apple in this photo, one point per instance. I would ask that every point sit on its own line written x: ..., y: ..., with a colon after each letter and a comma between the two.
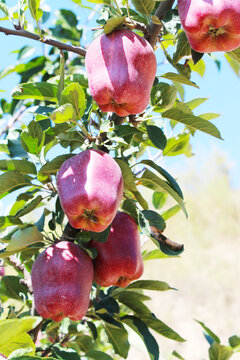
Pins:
x: 211, y: 25
x: 121, y: 68
x: 119, y: 260
x: 90, y: 187
x: 62, y: 279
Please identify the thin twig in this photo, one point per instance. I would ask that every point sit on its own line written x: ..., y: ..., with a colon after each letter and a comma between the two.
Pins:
x: 153, y: 29
x: 44, y: 40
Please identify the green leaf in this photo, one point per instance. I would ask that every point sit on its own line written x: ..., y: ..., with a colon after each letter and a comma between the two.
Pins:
x: 161, y: 328
x: 118, y: 337
x: 144, y: 6
x: 63, y: 114
x: 6, y: 221
x: 19, y: 345
x: 220, y: 352
x: 39, y: 91
x: 177, y: 355
x: 163, y: 96
x: 171, y: 181
x: 12, y: 328
x: 22, y: 166
x: 25, y: 357
x: 33, y: 6
x: 152, y: 181
x: 29, y: 207
x: 154, y: 254
x: 183, y: 47
x: 12, y: 180
x: 170, y: 212
x: 64, y: 354
x: 128, y: 177
x: 235, y: 54
x: 191, y: 121
x: 181, y: 78
x: 52, y: 167
x: 74, y: 94
x: 178, y: 145
x: 5, y: 9
x: 132, y: 301
x: 21, y: 239
x: 150, y: 285
x: 32, y: 139
x: 209, y: 332
x: 159, y: 199
x: 142, y: 330
x: 113, y: 23
x: 98, y: 355
x: 153, y: 219
x: 157, y: 137
x: 234, y: 341
x: 192, y: 104
x: 12, y: 288
x: 140, y: 199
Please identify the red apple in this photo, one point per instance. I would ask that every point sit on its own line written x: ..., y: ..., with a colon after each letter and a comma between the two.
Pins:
x: 121, y: 68
x: 90, y: 187
x: 2, y: 271
x: 62, y: 279
x: 119, y: 260
x: 211, y: 25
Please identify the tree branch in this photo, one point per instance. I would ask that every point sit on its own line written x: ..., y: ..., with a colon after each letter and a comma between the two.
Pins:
x: 153, y: 30
x: 51, y: 42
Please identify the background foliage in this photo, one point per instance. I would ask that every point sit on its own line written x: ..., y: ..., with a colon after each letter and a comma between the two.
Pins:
x: 50, y: 117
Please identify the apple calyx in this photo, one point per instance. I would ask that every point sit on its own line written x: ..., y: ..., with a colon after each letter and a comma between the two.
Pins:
x: 214, y: 32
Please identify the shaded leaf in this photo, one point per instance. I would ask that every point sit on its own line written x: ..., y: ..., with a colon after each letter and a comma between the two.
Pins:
x: 153, y: 182
x: 157, y: 136
x: 144, y: 6
x: 21, y: 239
x: 52, y: 167
x: 118, y: 337
x: 22, y: 166
x: 220, y: 352
x: 12, y: 180
x: 172, y: 182
x: 142, y: 330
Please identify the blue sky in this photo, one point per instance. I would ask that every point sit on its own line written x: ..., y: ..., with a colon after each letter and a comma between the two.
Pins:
x: 221, y: 87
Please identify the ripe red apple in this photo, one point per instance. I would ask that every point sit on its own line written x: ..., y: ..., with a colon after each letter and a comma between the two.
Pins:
x: 121, y: 68
x: 2, y: 271
x: 90, y: 187
x: 62, y: 279
x: 119, y: 260
x: 211, y: 25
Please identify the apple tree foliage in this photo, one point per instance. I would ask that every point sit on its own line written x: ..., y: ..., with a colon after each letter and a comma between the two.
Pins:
x: 50, y: 116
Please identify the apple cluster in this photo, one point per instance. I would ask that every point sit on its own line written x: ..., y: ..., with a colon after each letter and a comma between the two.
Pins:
x: 90, y: 188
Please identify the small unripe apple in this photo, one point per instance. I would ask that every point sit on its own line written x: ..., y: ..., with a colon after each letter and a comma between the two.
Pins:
x: 90, y: 187
x: 119, y: 260
x: 62, y: 279
x: 211, y: 25
x: 121, y: 68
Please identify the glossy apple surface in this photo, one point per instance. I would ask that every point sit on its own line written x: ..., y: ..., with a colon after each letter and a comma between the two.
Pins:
x: 119, y: 260
x: 90, y: 187
x: 62, y: 279
x: 211, y: 25
x: 121, y: 68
